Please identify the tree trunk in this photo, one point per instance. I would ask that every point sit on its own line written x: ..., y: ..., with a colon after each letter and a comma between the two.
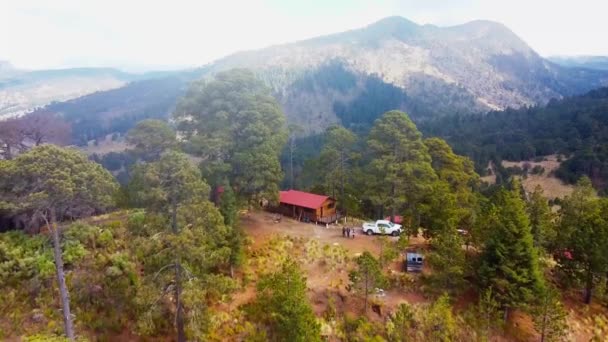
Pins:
x: 291, y: 150
x: 588, y: 286
x: 63, y: 289
x: 179, y: 318
x: 393, y: 209
x: 366, y: 292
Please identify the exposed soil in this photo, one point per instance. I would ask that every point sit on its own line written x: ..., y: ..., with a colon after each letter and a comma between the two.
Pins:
x: 322, y: 285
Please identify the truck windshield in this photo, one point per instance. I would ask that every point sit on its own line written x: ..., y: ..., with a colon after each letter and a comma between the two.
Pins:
x: 391, y: 224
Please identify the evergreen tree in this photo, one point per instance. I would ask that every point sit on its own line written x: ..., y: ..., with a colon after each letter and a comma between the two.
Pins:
x: 453, y: 204
x: 400, y: 172
x: 235, y: 125
x: 550, y: 317
x: 509, y: 261
x: 150, y: 138
x: 169, y: 184
x: 447, y: 260
x: 229, y: 208
x: 541, y: 223
x: 53, y: 183
x: 283, y: 307
x: 401, y: 323
x: 438, y: 322
x: 367, y: 276
x: 336, y: 158
x: 583, y: 237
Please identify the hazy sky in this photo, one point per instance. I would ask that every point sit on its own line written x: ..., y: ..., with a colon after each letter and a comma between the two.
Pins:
x: 139, y: 35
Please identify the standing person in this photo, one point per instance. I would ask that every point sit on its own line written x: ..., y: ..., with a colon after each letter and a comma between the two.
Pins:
x: 348, y: 232
x: 343, y: 231
x: 353, y: 233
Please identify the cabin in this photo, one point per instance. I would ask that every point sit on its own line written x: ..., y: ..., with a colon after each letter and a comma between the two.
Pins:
x: 308, y: 207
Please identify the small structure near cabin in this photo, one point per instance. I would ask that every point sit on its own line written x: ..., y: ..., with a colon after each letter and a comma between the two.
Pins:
x: 308, y: 207
x: 413, y: 262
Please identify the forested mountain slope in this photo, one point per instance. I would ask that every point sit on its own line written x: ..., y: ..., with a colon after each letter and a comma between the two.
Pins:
x: 22, y: 91
x: 576, y: 127
x: 474, y: 67
x: 352, y: 77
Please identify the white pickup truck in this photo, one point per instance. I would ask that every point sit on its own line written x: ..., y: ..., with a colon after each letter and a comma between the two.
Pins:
x: 381, y: 227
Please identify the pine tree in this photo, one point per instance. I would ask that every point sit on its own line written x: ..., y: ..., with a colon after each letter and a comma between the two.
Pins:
x: 541, y: 224
x: 282, y: 305
x: 401, y: 323
x: 509, y: 261
x: 447, y: 260
x: 169, y: 184
x: 454, y: 202
x: 337, y: 158
x: 50, y: 183
x: 150, y: 138
x: 583, y: 237
x: 239, y: 129
x: 400, y: 172
x: 367, y: 276
x: 438, y: 322
x: 550, y: 317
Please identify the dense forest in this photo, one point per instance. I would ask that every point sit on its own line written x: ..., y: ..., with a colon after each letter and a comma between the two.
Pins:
x: 173, y: 253
x: 576, y: 127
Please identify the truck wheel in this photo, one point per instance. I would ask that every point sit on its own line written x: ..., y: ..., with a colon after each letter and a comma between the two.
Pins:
x: 395, y: 233
x: 369, y: 232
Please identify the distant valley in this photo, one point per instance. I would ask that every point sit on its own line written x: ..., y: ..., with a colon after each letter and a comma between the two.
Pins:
x: 589, y: 62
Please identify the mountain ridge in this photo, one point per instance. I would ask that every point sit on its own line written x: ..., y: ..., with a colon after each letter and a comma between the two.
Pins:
x: 430, y: 71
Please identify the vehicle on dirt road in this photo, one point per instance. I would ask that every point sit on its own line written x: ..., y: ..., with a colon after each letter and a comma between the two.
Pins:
x: 381, y: 227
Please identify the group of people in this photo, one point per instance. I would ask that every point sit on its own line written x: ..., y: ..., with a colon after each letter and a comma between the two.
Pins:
x: 348, y: 232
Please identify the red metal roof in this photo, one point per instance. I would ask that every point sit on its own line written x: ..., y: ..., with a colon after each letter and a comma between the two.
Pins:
x: 302, y: 199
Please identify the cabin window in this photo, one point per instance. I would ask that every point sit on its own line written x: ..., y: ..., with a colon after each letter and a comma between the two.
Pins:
x: 331, y: 205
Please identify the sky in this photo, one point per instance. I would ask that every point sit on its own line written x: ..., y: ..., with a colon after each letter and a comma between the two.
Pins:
x: 142, y: 35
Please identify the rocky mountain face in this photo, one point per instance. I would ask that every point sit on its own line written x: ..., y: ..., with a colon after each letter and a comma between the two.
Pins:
x: 352, y: 77
x: 474, y: 67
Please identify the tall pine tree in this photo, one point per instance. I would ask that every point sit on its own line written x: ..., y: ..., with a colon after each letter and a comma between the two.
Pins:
x: 509, y: 262
x: 541, y: 220
x: 401, y: 177
x: 583, y: 237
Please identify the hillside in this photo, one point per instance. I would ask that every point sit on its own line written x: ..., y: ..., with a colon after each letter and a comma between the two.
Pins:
x: 352, y: 77
x: 589, y: 62
x: 474, y: 67
x: 574, y: 126
x: 22, y: 91
x: 117, y: 110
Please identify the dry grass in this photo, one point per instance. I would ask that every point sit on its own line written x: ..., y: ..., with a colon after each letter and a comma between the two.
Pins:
x: 551, y: 185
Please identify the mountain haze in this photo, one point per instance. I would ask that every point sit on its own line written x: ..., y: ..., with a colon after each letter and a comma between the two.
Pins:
x: 474, y: 67
x: 429, y: 71
x: 589, y: 62
x: 22, y: 91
